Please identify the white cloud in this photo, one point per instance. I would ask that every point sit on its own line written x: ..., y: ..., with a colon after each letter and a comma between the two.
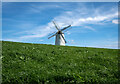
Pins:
x: 76, y: 18
x: 71, y: 41
x: 88, y: 20
x: 68, y: 33
x: 39, y: 8
x: 40, y: 31
x: 13, y: 39
x: 115, y: 21
x: 110, y: 45
x: 88, y: 27
x: 33, y: 36
x: 105, y: 46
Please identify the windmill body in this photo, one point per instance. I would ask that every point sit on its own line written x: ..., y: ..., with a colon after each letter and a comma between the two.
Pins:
x: 60, y: 39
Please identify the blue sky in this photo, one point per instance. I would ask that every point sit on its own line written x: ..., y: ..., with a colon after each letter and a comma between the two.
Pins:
x: 93, y: 24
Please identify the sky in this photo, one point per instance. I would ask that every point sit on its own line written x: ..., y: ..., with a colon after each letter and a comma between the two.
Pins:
x: 94, y: 24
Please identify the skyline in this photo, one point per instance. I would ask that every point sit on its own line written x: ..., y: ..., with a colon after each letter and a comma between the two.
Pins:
x: 93, y: 24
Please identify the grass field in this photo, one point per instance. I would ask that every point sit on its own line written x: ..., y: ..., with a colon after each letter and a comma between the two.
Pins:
x: 25, y: 63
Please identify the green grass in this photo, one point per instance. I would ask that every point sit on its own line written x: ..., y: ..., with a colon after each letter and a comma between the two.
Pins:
x: 25, y: 63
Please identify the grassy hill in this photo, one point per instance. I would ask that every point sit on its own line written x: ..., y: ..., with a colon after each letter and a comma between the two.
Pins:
x: 37, y: 64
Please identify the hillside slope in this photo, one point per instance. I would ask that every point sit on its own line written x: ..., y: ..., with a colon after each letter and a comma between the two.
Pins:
x: 37, y: 63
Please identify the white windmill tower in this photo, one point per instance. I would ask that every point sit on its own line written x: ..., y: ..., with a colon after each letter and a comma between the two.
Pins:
x: 60, y: 39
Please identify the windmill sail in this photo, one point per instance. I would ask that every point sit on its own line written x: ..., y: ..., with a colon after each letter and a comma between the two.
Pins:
x: 63, y: 38
x: 52, y: 35
x: 65, y: 27
x: 56, y: 26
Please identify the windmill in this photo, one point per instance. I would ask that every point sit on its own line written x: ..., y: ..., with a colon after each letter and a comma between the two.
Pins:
x: 60, y: 39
